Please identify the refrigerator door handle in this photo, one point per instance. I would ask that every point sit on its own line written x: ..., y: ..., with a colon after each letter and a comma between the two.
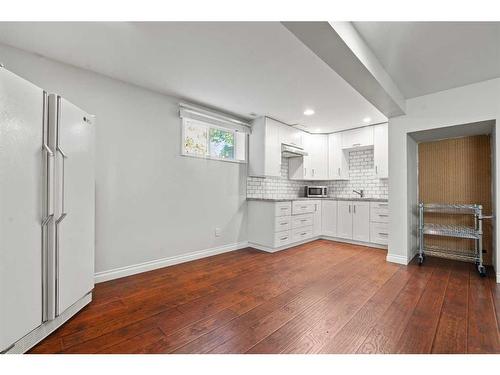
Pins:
x: 58, y: 222
x: 48, y: 179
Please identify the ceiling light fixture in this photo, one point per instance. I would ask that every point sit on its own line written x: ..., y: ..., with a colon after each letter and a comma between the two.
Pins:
x: 318, y: 130
x: 367, y: 119
x: 309, y: 112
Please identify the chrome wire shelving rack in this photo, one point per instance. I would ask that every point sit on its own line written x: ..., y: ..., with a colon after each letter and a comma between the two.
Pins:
x: 451, y: 230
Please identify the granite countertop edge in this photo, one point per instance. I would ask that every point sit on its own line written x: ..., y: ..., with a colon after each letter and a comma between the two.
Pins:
x: 367, y: 199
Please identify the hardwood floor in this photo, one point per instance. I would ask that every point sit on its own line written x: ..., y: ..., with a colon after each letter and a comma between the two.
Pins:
x: 321, y: 297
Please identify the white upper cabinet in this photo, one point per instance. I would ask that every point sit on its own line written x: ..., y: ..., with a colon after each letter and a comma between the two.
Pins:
x: 265, y: 148
x: 328, y: 155
x: 338, y: 165
x: 291, y: 136
x: 381, y: 150
x: 317, y: 148
x: 314, y: 166
x: 356, y: 138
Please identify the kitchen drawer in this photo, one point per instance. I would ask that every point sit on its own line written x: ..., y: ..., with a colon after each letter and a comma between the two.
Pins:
x: 299, y: 221
x: 303, y: 207
x: 379, y: 212
x: 379, y: 233
x: 282, y: 208
x: 301, y: 234
x: 381, y: 205
x: 379, y: 216
x: 282, y: 238
x: 282, y: 223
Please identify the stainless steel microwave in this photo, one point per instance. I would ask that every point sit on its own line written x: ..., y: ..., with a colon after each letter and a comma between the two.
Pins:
x: 316, y: 191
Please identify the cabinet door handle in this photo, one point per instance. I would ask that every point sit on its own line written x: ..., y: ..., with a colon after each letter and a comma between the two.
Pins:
x: 313, y: 172
x: 305, y: 171
x: 339, y: 171
x: 349, y: 208
x: 354, y: 208
x: 376, y: 169
x: 356, y: 144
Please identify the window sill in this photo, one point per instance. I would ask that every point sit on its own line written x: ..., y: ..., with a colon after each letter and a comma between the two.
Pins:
x: 214, y: 159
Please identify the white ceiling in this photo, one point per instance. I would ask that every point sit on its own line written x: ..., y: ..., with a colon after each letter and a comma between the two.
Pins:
x: 426, y: 57
x: 240, y: 67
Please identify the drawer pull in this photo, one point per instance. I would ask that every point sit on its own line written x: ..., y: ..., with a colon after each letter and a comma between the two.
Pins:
x: 303, y: 207
x: 302, y: 220
x: 356, y: 144
x: 285, y: 223
x: 303, y: 234
x: 383, y: 215
x: 383, y: 234
x: 284, y: 208
x: 382, y: 204
x: 283, y: 238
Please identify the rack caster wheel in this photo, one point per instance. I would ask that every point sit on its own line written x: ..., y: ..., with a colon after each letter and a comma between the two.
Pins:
x: 482, y: 271
x: 421, y: 260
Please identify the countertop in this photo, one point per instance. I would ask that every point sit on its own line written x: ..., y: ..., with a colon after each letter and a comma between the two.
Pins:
x: 358, y: 199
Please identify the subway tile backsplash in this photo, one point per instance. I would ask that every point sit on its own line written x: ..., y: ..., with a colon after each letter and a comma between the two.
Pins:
x: 361, y: 176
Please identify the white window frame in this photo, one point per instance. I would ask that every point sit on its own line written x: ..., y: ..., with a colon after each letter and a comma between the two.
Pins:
x: 208, y: 155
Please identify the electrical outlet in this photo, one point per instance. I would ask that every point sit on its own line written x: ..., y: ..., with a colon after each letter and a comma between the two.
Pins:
x: 217, y: 232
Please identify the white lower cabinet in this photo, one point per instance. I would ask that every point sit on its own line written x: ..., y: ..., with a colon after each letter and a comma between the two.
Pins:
x: 329, y: 218
x: 361, y: 221
x: 301, y: 234
x: 318, y: 219
x: 344, y: 220
x: 278, y: 225
x: 274, y: 225
x: 379, y: 222
x: 353, y: 220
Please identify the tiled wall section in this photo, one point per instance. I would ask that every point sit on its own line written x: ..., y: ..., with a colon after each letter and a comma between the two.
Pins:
x: 361, y: 176
x: 275, y: 187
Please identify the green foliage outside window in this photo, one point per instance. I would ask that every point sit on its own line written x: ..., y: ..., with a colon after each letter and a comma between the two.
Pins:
x: 221, y: 143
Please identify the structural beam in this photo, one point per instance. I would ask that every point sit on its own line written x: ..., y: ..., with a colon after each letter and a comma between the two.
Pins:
x: 341, y: 47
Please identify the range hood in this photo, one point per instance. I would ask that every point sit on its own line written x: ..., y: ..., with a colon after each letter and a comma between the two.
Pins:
x: 288, y: 151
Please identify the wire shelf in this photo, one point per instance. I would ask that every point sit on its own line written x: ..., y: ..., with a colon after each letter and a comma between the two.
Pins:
x: 465, y: 209
x: 455, y: 254
x: 451, y: 230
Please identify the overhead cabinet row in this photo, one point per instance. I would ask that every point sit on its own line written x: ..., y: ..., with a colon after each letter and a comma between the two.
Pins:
x: 312, y: 156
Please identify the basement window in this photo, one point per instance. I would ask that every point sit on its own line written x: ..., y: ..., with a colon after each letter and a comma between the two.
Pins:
x: 208, y: 141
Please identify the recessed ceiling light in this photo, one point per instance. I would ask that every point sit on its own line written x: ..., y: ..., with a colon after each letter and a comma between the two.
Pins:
x: 309, y: 112
x: 367, y: 119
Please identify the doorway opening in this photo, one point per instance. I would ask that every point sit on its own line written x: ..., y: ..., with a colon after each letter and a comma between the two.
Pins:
x: 453, y: 166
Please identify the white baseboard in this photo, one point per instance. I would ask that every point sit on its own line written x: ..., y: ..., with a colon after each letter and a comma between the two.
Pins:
x: 353, y: 242
x: 268, y: 249
x: 498, y: 277
x: 399, y: 259
x: 164, y: 262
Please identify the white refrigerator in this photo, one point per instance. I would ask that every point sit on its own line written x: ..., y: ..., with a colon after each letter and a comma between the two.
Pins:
x: 47, y: 208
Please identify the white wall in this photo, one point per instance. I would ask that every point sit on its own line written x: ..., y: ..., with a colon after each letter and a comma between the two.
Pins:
x: 467, y: 104
x: 152, y: 203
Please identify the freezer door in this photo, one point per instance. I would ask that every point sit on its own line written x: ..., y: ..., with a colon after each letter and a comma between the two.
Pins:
x: 74, y: 202
x: 23, y: 164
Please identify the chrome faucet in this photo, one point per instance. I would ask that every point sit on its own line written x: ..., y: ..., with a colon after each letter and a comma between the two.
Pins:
x: 360, y: 192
